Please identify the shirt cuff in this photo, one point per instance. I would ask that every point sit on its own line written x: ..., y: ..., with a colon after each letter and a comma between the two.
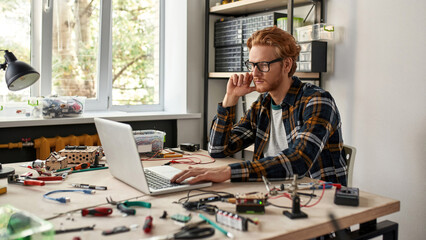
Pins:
x: 238, y: 172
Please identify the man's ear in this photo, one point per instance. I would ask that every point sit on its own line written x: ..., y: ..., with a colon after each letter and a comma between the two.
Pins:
x: 288, y: 63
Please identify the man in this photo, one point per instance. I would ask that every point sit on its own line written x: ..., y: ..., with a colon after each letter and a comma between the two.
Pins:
x: 295, y: 127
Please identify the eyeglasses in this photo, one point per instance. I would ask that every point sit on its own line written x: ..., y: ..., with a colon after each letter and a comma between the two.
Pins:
x: 261, y: 66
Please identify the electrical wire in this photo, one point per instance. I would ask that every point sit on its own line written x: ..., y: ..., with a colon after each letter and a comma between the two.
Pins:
x: 66, y: 199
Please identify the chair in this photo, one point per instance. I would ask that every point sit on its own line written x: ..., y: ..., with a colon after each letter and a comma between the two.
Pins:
x: 350, y: 153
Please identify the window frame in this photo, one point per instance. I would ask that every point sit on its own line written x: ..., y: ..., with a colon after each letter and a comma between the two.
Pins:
x: 41, y: 57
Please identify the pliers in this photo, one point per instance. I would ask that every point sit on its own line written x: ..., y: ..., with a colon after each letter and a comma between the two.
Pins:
x: 124, y: 206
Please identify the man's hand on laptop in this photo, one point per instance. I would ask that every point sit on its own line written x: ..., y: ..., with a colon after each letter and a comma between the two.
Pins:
x: 219, y: 174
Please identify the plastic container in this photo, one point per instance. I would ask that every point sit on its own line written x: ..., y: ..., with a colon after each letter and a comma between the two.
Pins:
x: 319, y: 31
x: 149, y: 140
x: 59, y: 107
x: 18, y: 224
x: 297, y: 22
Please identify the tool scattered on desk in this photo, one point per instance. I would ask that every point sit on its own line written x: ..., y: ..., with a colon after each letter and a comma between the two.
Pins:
x: 295, y: 212
x: 97, y: 212
x: 124, y: 207
x: 147, y: 226
x: 189, y: 232
x: 15, y: 179
x: 88, y: 186
x: 119, y: 229
x: 79, y: 229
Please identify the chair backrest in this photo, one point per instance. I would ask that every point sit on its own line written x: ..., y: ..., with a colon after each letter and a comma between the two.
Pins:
x: 350, y: 153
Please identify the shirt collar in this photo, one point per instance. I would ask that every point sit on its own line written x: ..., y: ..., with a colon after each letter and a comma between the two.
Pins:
x: 290, y: 97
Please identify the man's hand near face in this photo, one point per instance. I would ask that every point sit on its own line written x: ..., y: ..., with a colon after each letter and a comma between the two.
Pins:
x: 238, y: 86
x: 219, y: 174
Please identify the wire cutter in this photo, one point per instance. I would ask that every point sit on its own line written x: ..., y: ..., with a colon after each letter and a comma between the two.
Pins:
x: 124, y: 206
x: 189, y: 233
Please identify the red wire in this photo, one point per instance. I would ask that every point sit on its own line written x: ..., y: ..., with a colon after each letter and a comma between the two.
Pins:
x: 179, y: 160
x: 322, y: 194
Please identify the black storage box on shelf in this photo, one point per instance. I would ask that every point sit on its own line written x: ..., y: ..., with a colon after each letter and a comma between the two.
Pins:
x: 230, y: 37
x: 312, y: 57
x: 229, y: 59
x: 228, y: 32
x: 256, y: 22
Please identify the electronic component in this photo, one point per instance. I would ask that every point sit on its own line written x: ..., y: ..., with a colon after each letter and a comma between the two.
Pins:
x: 190, y: 147
x: 181, y: 218
x: 347, y: 196
x: 232, y: 220
x: 250, y: 203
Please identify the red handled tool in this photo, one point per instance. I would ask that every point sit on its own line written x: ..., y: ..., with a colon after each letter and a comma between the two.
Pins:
x: 81, y: 166
x: 14, y: 179
x: 48, y: 178
x: 99, y: 211
x: 147, y: 226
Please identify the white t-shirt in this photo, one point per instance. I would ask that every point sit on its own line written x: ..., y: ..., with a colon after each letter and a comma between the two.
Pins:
x: 277, y: 141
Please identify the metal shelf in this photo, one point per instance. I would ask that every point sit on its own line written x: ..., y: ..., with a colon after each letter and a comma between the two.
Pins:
x: 253, y: 6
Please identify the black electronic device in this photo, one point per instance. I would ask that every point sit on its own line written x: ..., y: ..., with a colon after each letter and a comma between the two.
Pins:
x: 250, y: 203
x: 347, y: 196
x: 190, y: 147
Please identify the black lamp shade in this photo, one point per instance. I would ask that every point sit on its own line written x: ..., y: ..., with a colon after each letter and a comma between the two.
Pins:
x: 19, y: 75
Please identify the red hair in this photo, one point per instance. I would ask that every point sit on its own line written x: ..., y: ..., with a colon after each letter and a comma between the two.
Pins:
x: 284, y: 43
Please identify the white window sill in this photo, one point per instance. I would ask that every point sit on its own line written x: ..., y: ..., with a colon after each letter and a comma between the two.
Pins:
x: 87, y: 117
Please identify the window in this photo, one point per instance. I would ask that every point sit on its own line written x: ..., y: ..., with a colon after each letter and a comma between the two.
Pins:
x: 135, y: 52
x: 107, y: 51
x: 15, y: 25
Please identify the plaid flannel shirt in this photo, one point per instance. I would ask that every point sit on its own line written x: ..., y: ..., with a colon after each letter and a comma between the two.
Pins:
x: 313, y: 127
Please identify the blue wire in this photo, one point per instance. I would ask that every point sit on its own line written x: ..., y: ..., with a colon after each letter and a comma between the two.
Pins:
x: 66, y: 199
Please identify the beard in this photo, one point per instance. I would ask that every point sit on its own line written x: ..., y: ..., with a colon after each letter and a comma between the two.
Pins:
x: 264, y: 85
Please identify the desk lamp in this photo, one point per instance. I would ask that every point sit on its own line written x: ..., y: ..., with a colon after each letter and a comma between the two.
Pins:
x: 19, y: 75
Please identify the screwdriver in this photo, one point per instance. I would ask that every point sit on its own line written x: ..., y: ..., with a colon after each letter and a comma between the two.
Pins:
x: 99, y: 211
x: 81, y: 166
x: 147, y: 226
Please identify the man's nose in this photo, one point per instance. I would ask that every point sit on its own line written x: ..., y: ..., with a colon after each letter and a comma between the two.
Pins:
x: 256, y: 71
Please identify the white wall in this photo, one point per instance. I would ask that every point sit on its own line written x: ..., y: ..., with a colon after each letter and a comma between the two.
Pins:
x: 184, y: 65
x: 380, y: 88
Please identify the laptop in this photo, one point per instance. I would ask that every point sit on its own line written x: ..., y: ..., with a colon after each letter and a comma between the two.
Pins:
x: 124, y: 162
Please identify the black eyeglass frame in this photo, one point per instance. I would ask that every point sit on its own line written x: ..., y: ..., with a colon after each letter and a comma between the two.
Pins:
x: 249, y: 64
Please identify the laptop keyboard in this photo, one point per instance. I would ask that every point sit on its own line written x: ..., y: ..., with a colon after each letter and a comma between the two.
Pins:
x: 156, y: 181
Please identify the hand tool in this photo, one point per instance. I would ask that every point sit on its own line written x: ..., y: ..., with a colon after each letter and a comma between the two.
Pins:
x: 124, y: 206
x: 115, y: 230
x: 14, y: 179
x: 189, y: 233
x: 80, y: 229
x: 47, y: 178
x: 81, y: 166
x: 147, y: 226
x: 137, y: 204
x: 99, y: 211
